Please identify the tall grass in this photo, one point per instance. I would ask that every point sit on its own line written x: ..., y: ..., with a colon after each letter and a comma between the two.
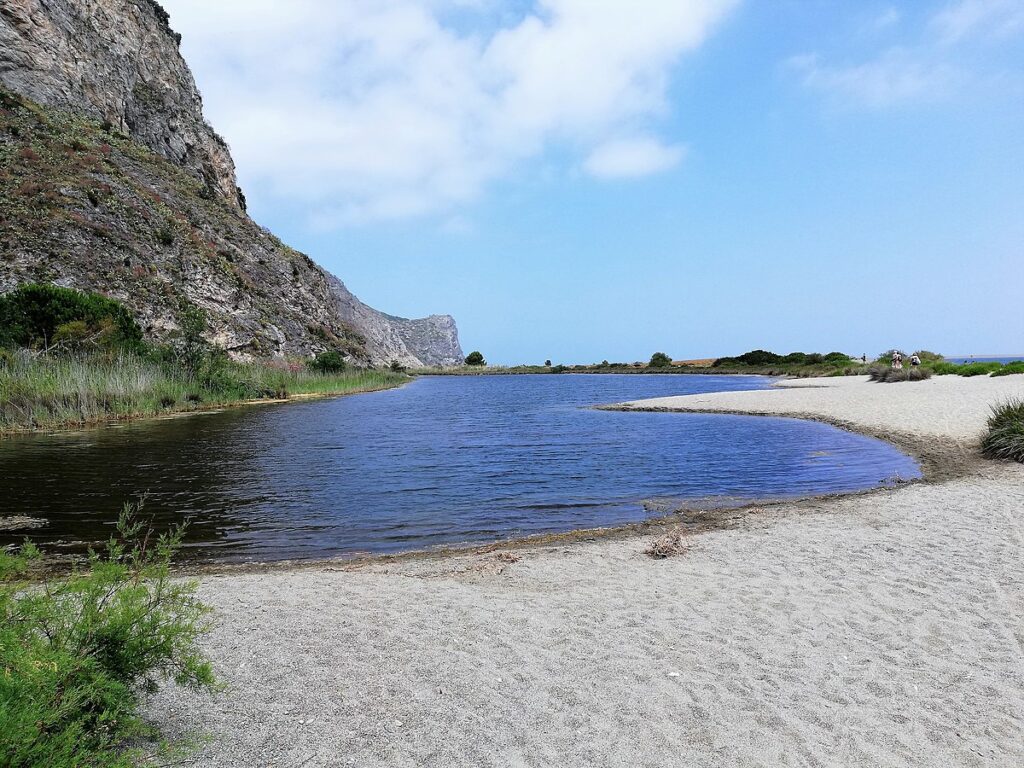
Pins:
x: 50, y: 391
x: 1005, y: 438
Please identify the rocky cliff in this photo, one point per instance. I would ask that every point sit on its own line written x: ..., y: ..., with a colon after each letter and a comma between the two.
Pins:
x: 111, y: 180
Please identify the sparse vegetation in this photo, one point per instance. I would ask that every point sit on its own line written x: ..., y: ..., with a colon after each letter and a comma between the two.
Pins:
x: 78, y: 654
x: 1005, y: 438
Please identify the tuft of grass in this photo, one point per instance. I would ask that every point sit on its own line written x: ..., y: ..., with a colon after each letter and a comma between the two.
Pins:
x: 891, y: 375
x: 78, y: 654
x: 1005, y: 438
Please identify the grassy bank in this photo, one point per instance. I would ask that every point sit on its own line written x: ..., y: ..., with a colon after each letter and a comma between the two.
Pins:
x: 47, y: 391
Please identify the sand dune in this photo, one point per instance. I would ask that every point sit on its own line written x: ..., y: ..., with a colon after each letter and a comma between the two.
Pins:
x: 874, y: 630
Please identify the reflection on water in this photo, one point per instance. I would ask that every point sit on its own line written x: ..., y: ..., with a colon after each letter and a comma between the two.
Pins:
x: 443, y: 460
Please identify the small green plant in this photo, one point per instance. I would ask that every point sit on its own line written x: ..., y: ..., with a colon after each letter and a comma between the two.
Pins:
x: 78, y: 654
x: 475, y: 358
x: 547, y: 363
x: 658, y: 360
x: 397, y: 367
x: 1005, y: 438
x: 328, y: 362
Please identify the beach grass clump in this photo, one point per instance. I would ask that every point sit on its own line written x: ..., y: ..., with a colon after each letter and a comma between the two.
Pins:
x: 1010, y: 369
x: 886, y: 375
x: 79, y: 653
x: 1005, y: 437
x: 668, y: 545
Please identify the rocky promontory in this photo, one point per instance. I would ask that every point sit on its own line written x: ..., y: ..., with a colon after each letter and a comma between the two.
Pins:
x: 111, y: 180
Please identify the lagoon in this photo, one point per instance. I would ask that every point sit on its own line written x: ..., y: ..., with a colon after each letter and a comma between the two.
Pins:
x: 443, y: 460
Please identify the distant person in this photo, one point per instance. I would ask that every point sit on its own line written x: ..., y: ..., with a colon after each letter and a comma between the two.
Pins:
x: 915, y: 361
x: 864, y: 358
x: 897, y: 361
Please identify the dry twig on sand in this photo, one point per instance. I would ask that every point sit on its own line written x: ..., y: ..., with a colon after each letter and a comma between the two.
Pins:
x: 668, y: 545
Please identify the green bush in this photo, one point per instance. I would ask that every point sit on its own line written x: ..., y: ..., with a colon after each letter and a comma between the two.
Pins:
x: 32, y: 315
x: 78, y: 654
x: 330, y: 361
x: 756, y: 357
x: 658, y: 360
x: 838, y: 357
x: 475, y: 358
x: 1005, y: 438
x: 978, y: 369
x: 1010, y: 368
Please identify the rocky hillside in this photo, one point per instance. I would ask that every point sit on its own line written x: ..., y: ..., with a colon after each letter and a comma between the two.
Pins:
x: 111, y: 180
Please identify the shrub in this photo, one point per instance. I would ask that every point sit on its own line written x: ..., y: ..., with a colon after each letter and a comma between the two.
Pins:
x: 547, y: 363
x: 1010, y: 368
x: 891, y: 375
x: 31, y: 315
x: 80, y: 653
x: 838, y: 357
x: 475, y: 358
x: 978, y: 369
x: 756, y: 357
x: 330, y: 361
x: 929, y: 357
x: 191, y: 347
x: 1005, y: 438
x: 659, y: 360
x: 397, y: 367
x: 559, y: 369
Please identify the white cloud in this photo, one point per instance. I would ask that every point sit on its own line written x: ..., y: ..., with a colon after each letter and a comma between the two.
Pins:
x: 896, y: 76
x: 376, y: 109
x: 959, y: 20
x: 624, y: 158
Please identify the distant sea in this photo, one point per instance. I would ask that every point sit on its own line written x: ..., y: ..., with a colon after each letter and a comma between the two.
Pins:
x: 985, y: 359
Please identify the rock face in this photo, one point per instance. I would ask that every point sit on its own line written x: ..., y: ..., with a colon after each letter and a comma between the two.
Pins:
x: 111, y: 180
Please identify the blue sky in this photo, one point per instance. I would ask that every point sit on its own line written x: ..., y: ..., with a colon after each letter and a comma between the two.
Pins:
x: 582, y: 180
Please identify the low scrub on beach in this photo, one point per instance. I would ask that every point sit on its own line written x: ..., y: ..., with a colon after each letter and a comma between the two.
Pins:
x: 891, y: 375
x: 79, y: 653
x: 1005, y: 437
x: 70, y: 358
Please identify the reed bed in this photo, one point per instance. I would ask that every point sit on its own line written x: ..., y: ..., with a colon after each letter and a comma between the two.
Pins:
x: 39, y: 391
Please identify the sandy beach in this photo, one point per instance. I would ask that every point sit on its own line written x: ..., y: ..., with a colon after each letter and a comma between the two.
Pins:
x: 883, y: 629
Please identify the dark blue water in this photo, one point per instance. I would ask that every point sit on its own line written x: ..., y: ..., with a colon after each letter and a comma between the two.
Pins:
x: 442, y: 460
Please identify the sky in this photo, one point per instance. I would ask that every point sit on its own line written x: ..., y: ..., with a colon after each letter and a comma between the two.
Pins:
x: 587, y: 180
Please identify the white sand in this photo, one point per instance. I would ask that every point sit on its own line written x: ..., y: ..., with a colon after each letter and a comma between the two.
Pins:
x: 877, y: 630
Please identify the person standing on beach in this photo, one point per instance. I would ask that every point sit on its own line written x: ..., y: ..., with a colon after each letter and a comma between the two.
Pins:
x: 897, y: 361
x: 915, y: 361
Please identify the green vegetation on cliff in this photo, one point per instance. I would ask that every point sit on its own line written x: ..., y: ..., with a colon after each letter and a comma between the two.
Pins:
x: 71, y: 358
